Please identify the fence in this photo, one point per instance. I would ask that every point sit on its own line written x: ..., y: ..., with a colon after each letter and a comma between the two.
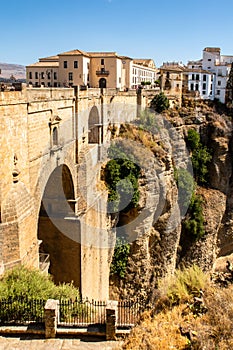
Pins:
x: 82, y: 312
x: 21, y: 310
x: 128, y: 313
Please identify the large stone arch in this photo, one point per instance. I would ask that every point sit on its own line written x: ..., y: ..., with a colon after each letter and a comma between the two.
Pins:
x: 94, y: 126
x: 58, y: 228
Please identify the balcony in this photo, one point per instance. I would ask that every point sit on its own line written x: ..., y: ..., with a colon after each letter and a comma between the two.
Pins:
x: 102, y: 73
x: 44, y: 262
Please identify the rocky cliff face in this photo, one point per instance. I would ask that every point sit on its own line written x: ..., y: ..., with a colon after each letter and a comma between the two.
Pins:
x: 159, y: 244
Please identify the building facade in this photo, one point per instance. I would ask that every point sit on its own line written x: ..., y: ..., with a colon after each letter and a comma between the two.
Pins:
x: 92, y: 69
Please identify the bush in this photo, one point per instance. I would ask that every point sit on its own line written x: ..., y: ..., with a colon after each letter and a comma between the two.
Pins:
x: 160, y: 103
x: 120, y: 258
x: 200, y: 157
x: 194, y: 221
x: 33, y: 284
x: 186, y: 187
x: 184, y: 285
x: 121, y: 175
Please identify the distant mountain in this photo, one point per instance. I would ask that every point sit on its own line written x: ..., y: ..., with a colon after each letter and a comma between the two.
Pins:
x: 8, y: 69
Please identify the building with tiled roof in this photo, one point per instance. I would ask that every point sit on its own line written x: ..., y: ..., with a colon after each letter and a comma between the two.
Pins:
x: 93, y: 69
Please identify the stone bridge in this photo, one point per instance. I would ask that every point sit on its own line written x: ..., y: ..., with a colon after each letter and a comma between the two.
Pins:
x: 52, y: 203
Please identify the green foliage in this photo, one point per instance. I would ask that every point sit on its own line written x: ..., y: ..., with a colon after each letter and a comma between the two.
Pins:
x: 184, y: 284
x: 120, y: 258
x: 186, y: 187
x: 121, y: 176
x: 160, y: 102
x: 200, y: 157
x: 193, y: 139
x: 147, y: 121
x: 33, y: 284
x: 145, y: 83
x: 194, y: 222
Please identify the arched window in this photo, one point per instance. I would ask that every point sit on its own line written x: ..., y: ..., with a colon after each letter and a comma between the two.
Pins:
x: 55, y: 136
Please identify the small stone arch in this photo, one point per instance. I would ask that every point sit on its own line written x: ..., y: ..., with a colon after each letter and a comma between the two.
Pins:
x: 94, y: 126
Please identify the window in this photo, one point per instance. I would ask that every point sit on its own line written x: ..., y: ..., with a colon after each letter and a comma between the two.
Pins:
x: 75, y: 64
x: 192, y: 87
x: 204, y: 77
x: 193, y: 76
x: 119, y: 80
x: 36, y: 84
x: 55, y: 84
x: 70, y: 76
x: 30, y: 75
x: 49, y: 75
x: 196, y: 87
x: 204, y: 92
x: 88, y: 65
x: 204, y: 86
x: 88, y: 77
x: 168, y: 75
x: 208, y: 67
x: 219, y: 82
x: 102, y: 61
x: 36, y: 75
x: 55, y: 75
x: 55, y: 137
x: 209, y: 59
x: 42, y: 75
x: 211, y: 86
x: 220, y: 72
x: 49, y: 84
x: 65, y: 65
x: 197, y: 77
x: 218, y: 92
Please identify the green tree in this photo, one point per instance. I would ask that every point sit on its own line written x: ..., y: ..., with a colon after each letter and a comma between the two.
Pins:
x: 160, y: 103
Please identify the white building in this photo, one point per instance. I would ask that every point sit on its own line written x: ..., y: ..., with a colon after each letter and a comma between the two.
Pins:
x: 220, y: 66
x: 200, y: 80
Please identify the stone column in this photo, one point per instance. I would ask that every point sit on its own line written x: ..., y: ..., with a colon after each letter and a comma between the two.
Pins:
x: 111, y: 319
x: 51, y: 318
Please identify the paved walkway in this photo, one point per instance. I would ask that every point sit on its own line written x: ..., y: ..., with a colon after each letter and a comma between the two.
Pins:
x: 14, y: 343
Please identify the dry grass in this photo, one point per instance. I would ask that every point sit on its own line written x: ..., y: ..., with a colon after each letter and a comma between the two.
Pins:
x: 213, y: 330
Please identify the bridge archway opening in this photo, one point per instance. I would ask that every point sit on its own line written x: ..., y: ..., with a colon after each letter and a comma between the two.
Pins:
x: 93, y: 126
x: 58, y: 231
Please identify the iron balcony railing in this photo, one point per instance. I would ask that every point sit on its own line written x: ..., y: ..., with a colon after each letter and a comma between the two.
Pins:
x: 102, y: 72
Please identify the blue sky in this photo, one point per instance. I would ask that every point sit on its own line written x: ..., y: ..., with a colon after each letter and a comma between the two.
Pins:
x: 163, y: 30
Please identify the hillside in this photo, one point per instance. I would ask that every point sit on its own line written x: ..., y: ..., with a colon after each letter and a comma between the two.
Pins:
x: 8, y: 69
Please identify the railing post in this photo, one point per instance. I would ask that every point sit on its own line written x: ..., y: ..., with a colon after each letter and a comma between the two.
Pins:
x: 51, y: 317
x: 111, y: 319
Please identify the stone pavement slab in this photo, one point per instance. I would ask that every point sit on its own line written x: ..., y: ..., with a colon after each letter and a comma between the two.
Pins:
x: 27, y: 343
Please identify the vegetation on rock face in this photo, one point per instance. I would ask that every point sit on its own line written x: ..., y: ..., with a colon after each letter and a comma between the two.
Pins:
x: 160, y: 103
x: 194, y: 221
x: 189, y: 313
x: 121, y: 175
x: 120, y: 258
x: 200, y: 157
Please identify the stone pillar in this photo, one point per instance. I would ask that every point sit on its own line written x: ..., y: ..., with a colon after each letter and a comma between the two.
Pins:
x: 111, y: 319
x: 51, y: 318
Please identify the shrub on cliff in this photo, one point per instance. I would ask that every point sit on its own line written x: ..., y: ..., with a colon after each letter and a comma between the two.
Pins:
x: 160, y: 103
x: 200, y: 156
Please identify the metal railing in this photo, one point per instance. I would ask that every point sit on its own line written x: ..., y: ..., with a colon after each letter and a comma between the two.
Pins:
x: 82, y: 312
x: 128, y: 313
x: 21, y: 310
